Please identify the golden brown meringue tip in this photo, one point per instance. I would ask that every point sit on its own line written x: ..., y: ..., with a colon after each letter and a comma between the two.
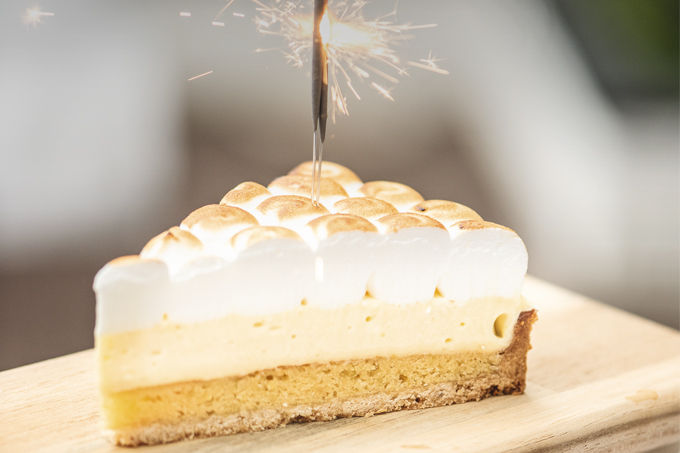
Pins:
x: 301, y: 185
x: 175, y: 236
x: 130, y: 268
x: 471, y: 225
x: 341, y: 174
x: 256, y: 234
x: 367, y: 207
x: 446, y: 212
x: 218, y: 217
x: 245, y: 195
x: 328, y: 225
x: 396, y: 222
x: 286, y: 208
x: 399, y: 195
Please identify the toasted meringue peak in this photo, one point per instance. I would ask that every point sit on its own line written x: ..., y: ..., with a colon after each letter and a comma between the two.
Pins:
x: 217, y: 223
x: 342, y: 175
x: 480, y: 225
x: 485, y: 259
x: 175, y: 247
x: 217, y: 216
x: 395, y: 222
x: 301, y: 185
x: 131, y: 268
x: 246, y: 195
x: 328, y: 225
x: 400, y: 195
x: 253, y: 235
x: 290, y: 210
x: 171, y: 237
x: 367, y: 207
x: 446, y: 212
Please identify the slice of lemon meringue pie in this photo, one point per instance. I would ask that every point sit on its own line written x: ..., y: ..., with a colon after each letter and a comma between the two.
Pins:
x: 266, y: 309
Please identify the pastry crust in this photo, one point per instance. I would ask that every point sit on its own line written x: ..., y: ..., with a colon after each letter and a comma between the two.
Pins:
x: 506, y: 375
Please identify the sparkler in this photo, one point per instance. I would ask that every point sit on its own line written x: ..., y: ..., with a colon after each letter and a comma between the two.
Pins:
x: 321, y: 36
x: 344, y: 46
x: 34, y: 16
x: 357, y: 48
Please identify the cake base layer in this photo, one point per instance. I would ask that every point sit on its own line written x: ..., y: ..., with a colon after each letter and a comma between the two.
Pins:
x: 315, y: 392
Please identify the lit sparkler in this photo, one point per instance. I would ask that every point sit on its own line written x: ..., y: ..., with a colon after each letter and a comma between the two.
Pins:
x: 320, y: 37
x: 357, y: 48
x: 34, y: 16
x: 344, y: 47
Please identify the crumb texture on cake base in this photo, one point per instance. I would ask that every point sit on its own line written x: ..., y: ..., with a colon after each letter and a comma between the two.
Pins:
x: 316, y: 392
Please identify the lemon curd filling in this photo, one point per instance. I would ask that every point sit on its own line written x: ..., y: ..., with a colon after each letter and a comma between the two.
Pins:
x: 237, y: 345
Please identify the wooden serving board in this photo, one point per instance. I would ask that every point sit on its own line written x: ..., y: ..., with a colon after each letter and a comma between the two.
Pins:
x: 600, y: 379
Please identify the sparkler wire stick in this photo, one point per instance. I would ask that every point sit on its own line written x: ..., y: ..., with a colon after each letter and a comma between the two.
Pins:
x: 319, y: 71
x: 319, y: 96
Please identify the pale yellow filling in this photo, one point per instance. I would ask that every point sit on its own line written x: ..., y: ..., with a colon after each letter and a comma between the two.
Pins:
x: 237, y: 345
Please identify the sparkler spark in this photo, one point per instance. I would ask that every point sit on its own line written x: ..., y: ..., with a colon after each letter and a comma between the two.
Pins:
x: 239, y: 15
x: 430, y: 64
x: 33, y: 16
x: 219, y: 24
x: 224, y: 9
x: 185, y: 14
x: 357, y: 48
x: 200, y: 75
x: 382, y: 90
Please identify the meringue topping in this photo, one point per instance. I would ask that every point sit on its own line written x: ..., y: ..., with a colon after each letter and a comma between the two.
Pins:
x: 289, y: 210
x: 328, y: 225
x: 257, y: 234
x: 301, y: 185
x: 446, y: 212
x: 175, y: 247
x: 342, y: 175
x: 246, y: 195
x: 216, y: 223
x: 367, y: 207
x: 394, y: 222
x: 399, y: 195
x: 266, y: 250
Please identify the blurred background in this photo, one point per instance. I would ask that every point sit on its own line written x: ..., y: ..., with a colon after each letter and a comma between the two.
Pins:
x: 559, y: 119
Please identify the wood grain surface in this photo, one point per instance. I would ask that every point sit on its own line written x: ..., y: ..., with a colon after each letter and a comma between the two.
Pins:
x: 600, y: 379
